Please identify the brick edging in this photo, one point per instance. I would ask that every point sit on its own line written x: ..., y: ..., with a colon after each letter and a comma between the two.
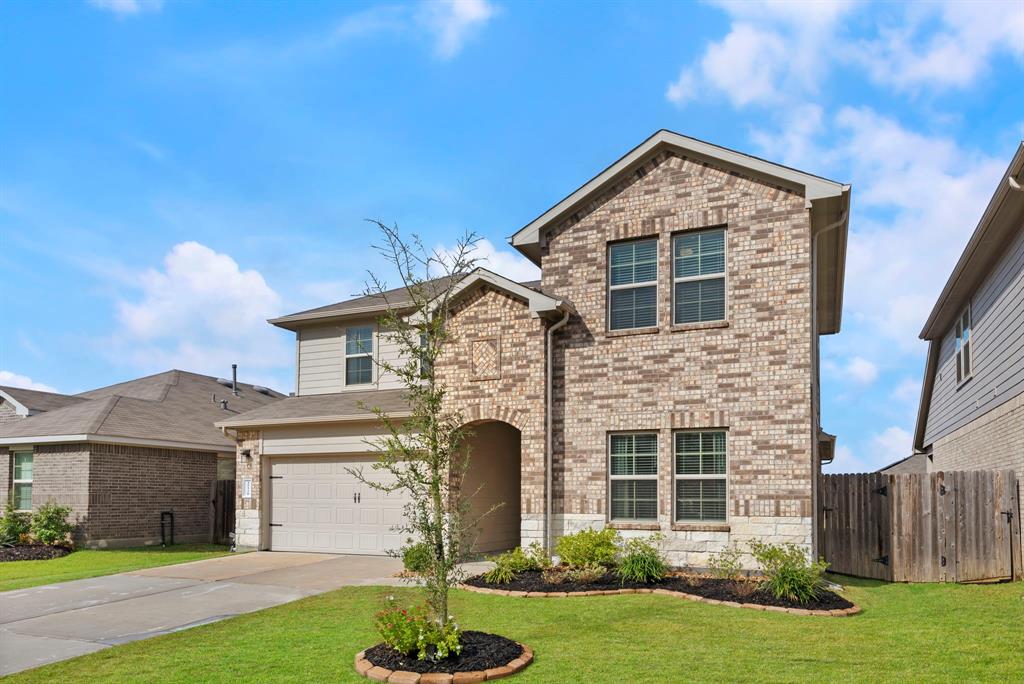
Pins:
x: 381, y: 674
x: 841, y: 612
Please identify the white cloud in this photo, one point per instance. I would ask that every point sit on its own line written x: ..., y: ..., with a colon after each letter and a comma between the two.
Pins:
x: 503, y: 262
x: 908, y: 391
x: 861, y: 370
x: 124, y: 8
x: 201, y: 312
x: 890, y: 445
x: 953, y: 54
x: 323, y: 292
x: 11, y: 379
x: 778, y: 51
x: 453, y: 22
x: 846, y: 461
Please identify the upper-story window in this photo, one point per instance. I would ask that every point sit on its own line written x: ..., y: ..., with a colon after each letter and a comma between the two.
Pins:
x: 964, y: 360
x: 699, y: 276
x: 633, y: 285
x: 359, y: 356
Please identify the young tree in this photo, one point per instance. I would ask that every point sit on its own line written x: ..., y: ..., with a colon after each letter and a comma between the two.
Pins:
x: 424, y: 454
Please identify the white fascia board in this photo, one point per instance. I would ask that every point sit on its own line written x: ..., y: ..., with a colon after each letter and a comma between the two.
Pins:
x: 19, y: 408
x: 303, y: 421
x: 814, y: 187
x: 107, y: 439
x: 537, y: 302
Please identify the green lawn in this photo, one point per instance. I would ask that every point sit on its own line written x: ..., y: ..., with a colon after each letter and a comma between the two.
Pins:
x: 907, y: 632
x: 90, y: 563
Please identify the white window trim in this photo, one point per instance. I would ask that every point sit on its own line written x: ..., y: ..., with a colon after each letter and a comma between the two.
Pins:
x: 724, y: 275
x: 677, y: 476
x: 14, y: 455
x: 611, y: 478
x: 369, y: 354
x: 632, y: 286
x: 962, y: 377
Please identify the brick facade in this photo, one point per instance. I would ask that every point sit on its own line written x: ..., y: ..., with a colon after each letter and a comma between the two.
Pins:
x: 7, y: 412
x: 995, y: 441
x: 117, y: 492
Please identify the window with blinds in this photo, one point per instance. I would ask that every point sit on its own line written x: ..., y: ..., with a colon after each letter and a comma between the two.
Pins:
x: 700, y: 476
x: 698, y: 276
x: 963, y: 346
x: 359, y: 356
x: 633, y: 476
x: 633, y: 285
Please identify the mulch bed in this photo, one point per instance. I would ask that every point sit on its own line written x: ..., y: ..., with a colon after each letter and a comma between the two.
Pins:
x: 706, y: 587
x: 480, y: 651
x: 22, y: 552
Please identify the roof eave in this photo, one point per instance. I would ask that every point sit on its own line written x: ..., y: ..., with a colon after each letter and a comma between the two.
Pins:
x: 114, y: 439
x: 271, y: 422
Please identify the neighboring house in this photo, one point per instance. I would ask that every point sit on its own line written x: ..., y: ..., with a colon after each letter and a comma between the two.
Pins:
x: 682, y: 294
x: 121, y: 455
x: 972, y: 401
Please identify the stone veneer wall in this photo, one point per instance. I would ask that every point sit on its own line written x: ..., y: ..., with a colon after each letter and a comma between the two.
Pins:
x: 129, y: 486
x: 248, y: 524
x: 751, y: 375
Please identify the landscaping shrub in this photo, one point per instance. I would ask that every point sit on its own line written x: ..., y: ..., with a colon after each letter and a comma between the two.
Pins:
x: 411, y: 630
x: 589, y: 547
x: 14, y: 525
x: 416, y: 557
x: 554, y: 575
x: 509, y: 564
x: 642, y: 560
x: 50, y: 525
x: 586, y: 574
x: 787, y: 571
x: 726, y: 564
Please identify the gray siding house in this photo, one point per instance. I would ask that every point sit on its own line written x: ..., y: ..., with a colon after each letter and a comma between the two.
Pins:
x: 972, y: 403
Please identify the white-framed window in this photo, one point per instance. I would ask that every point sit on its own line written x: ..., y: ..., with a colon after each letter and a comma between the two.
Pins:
x: 21, y: 490
x: 701, y: 476
x: 698, y: 276
x: 426, y: 366
x: 633, y: 476
x: 964, y: 349
x: 359, y: 355
x: 633, y: 284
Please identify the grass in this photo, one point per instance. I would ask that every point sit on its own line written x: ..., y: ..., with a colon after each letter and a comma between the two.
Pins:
x: 93, y: 563
x: 907, y: 632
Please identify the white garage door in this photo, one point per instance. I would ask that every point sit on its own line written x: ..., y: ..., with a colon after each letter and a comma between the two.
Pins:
x: 317, y: 505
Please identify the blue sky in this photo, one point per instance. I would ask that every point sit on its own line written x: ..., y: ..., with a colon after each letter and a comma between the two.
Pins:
x: 173, y: 173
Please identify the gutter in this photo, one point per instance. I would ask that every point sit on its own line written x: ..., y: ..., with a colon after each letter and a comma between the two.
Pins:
x: 548, y: 445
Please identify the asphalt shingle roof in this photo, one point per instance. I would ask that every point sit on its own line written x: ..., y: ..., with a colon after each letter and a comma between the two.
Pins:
x: 314, y: 407
x: 173, y: 406
x: 36, y: 400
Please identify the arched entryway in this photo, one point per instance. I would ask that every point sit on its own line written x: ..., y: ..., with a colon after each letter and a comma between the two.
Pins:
x: 493, y: 479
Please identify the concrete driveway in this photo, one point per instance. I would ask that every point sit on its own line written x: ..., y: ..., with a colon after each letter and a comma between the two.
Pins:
x: 59, y: 621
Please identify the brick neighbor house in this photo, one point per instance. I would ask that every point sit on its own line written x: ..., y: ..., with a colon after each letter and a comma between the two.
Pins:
x: 121, y: 455
x: 972, y: 402
x: 682, y: 294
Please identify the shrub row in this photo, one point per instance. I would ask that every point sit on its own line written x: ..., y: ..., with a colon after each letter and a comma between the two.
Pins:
x: 48, y: 525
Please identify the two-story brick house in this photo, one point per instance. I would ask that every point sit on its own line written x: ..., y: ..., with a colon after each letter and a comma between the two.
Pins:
x: 661, y: 376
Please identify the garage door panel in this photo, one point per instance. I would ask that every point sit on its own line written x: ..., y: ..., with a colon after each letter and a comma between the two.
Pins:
x: 318, y: 505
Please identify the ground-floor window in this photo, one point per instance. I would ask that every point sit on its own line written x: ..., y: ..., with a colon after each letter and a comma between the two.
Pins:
x: 700, y: 475
x: 633, y: 475
x: 21, y: 492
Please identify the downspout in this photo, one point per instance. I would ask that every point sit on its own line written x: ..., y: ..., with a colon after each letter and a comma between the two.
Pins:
x: 549, y: 441
x: 816, y: 389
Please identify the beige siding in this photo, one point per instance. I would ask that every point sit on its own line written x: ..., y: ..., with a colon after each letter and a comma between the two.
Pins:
x: 341, y: 438
x: 322, y: 359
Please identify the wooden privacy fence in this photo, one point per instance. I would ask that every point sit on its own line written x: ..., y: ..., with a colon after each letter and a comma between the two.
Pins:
x: 922, y: 527
x: 223, y: 502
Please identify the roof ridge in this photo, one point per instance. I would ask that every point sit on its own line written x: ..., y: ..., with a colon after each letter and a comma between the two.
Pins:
x: 95, y: 426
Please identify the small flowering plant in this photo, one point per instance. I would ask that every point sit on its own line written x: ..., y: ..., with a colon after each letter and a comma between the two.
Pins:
x: 411, y: 631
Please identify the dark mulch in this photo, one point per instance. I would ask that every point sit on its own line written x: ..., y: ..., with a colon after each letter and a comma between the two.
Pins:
x: 707, y: 587
x: 480, y: 651
x: 22, y: 552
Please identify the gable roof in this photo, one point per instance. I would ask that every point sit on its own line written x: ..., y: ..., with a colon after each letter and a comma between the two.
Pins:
x: 172, y: 409
x: 29, y: 402
x: 323, y: 408
x: 538, y: 302
x: 999, y: 223
x: 828, y: 201
x: 1003, y: 216
x: 398, y: 298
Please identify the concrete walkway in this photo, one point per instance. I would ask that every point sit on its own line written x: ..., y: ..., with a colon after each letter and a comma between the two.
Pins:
x: 50, y: 623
